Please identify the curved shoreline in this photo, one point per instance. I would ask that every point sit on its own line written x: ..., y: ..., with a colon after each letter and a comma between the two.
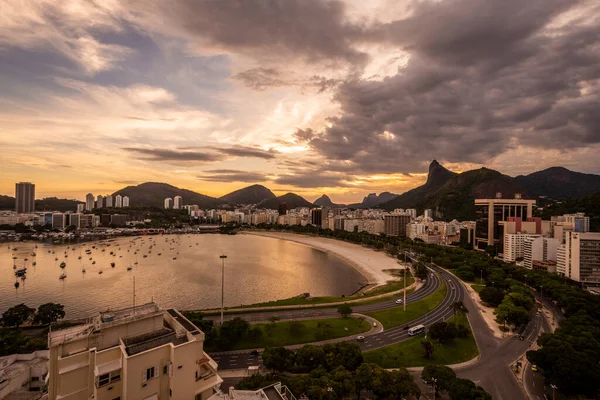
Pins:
x: 369, y: 263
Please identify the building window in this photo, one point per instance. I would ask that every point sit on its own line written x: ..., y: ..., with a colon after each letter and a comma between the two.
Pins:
x: 165, y: 369
x: 111, y: 377
x: 150, y: 373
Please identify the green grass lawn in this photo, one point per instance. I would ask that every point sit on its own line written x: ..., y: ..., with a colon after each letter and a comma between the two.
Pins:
x: 477, y: 287
x: 281, y: 333
x: 391, y: 286
x: 409, y: 353
x: 397, y: 316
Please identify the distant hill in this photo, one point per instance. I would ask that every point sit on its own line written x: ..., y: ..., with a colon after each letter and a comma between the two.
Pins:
x: 325, y: 201
x: 153, y: 194
x: 249, y: 195
x: 292, y: 200
x: 46, y: 204
x: 437, y: 177
x: 373, y: 200
x: 560, y: 183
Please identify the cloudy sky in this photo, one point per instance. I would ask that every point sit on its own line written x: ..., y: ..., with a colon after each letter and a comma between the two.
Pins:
x: 311, y: 96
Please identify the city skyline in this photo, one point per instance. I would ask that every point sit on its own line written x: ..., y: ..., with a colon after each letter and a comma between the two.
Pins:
x: 97, y: 97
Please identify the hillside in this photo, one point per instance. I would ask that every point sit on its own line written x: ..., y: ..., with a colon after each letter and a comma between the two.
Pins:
x: 590, y: 205
x: 437, y: 177
x: 560, y: 183
x: 249, y: 195
x: 292, y: 200
x: 325, y: 201
x: 153, y: 194
x: 373, y: 200
x: 46, y: 204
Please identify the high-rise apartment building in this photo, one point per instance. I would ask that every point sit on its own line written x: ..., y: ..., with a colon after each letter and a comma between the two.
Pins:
x: 395, y: 225
x: 80, y: 207
x: 86, y: 221
x: 538, y: 249
x: 177, y: 202
x: 99, y: 202
x: 142, y: 352
x: 75, y: 220
x: 89, y: 202
x: 24, y: 197
x: 513, y: 246
x: 125, y: 201
x: 578, y: 221
x: 168, y: 203
x: 579, y: 257
x: 118, y: 201
x: 490, y: 212
x: 282, y: 208
x: 316, y: 217
x: 108, y: 201
x: 58, y: 221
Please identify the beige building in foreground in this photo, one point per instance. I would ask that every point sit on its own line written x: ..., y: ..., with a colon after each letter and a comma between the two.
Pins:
x: 142, y: 353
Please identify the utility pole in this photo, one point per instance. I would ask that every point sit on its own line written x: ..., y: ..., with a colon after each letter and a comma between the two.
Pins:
x: 405, y: 282
x: 554, y: 387
x: 222, y: 257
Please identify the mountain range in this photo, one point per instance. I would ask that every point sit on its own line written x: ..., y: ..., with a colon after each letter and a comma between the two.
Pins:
x: 448, y: 193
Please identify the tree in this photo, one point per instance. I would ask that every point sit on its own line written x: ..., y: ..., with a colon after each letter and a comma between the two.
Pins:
x: 438, y: 376
x: 367, y: 377
x: 17, y: 315
x: 459, y: 307
x: 309, y: 357
x: 398, y: 384
x: 508, y: 312
x: 421, y: 271
x: 48, y: 313
x: 343, y: 382
x: 442, y: 331
x: 345, y: 354
x: 233, y: 330
x: 255, y: 382
x: 428, y: 348
x: 464, y: 389
x: 491, y: 296
x: 345, y: 310
x: 277, y: 358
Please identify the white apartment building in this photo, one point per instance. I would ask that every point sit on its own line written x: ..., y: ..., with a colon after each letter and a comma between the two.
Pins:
x: 99, y: 201
x: 118, y: 201
x: 372, y: 226
x: 578, y: 221
x: 80, y: 207
x: 539, y: 249
x: 514, y: 245
x: 177, y: 202
x: 89, y: 202
x: 58, y: 221
x: 108, y: 200
x: 579, y: 257
x: 142, y: 353
x: 125, y: 201
x: 416, y: 230
x: 168, y: 203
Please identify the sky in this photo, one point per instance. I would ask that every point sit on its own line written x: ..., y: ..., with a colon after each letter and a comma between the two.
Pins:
x: 310, y: 96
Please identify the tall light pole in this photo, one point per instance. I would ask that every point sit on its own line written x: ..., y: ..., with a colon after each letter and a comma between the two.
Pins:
x: 481, y: 279
x: 222, y: 257
x: 405, y: 267
x: 554, y: 387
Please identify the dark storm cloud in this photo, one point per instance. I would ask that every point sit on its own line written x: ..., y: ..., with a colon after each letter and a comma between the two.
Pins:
x: 232, y: 175
x: 266, y: 78
x: 192, y: 154
x: 483, y: 78
x: 245, y: 151
x: 314, y: 30
x: 174, y: 155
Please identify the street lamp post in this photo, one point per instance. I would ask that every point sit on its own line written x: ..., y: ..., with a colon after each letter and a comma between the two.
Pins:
x: 222, y: 257
x: 554, y: 387
x: 405, y: 266
x: 481, y: 279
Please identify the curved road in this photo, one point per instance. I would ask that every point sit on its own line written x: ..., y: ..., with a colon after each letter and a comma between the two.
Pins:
x: 455, y: 292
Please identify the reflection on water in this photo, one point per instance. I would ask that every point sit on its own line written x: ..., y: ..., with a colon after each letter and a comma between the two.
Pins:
x: 181, y: 271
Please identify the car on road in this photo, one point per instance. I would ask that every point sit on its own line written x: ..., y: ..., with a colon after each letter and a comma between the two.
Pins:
x: 360, y: 338
x: 374, y: 323
x: 406, y: 327
x: 534, y: 367
x: 399, y: 301
x: 254, y: 353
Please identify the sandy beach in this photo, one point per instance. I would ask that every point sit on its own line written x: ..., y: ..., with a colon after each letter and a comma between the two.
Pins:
x: 370, y: 263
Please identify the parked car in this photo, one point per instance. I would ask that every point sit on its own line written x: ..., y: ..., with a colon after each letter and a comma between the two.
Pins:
x: 360, y: 338
x: 399, y: 301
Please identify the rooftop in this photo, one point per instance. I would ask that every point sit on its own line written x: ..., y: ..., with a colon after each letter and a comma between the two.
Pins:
x: 140, y: 343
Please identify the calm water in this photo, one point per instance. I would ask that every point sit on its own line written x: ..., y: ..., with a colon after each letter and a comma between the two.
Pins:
x: 257, y: 269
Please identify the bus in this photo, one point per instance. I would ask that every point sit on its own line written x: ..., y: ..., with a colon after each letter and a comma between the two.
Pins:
x: 415, y: 330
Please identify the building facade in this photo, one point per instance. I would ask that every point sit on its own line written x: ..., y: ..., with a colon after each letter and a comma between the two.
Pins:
x: 490, y: 212
x: 177, y: 202
x: 108, y: 201
x: 99, y: 202
x: 24, y: 198
x: 144, y: 353
x: 89, y: 202
x: 168, y: 203
x: 125, y: 201
x: 579, y: 257
x: 395, y: 225
x: 118, y: 201
x: 539, y: 249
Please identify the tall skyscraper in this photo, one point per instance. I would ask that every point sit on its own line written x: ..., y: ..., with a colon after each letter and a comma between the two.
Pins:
x: 99, y: 202
x: 108, y: 200
x: 177, y: 202
x: 395, y: 225
x: 80, y: 207
x: 125, y: 201
x: 168, y: 203
x: 89, y: 202
x: 118, y: 201
x: 25, y: 197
